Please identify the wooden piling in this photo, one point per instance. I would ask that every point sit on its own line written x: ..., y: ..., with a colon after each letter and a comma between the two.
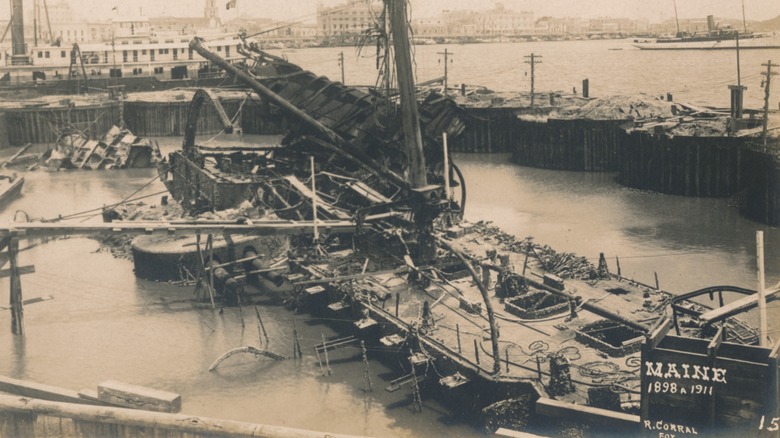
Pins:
x: 397, y: 301
x: 17, y: 309
x: 367, y: 384
x: 476, y: 351
x: 261, y: 327
x: 325, y: 352
x: 297, y: 343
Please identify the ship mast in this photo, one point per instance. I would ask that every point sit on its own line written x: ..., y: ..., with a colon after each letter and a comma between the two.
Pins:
x: 676, y: 18
x: 409, y: 114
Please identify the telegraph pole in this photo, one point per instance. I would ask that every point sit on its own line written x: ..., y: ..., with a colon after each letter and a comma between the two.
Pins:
x: 767, y: 80
x: 534, y: 59
x: 341, y: 63
x: 447, y: 55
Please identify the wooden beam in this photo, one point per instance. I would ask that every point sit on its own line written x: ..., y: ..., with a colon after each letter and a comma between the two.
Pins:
x: 188, y: 424
x: 570, y: 411
x: 659, y: 333
x: 712, y: 349
x: 22, y: 270
x: 264, y: 228
x: 740, y: 305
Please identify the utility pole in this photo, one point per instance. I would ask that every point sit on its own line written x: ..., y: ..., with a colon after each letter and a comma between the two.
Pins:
x: 341, y: 63
x: 533, y: 61
x: 447, y: 55
x: 767, y: 80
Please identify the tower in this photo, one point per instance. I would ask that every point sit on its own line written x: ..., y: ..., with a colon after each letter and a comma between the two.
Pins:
x: 211, y: 14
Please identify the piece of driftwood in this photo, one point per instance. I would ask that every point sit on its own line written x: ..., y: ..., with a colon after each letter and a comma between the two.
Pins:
x: 247, y: 349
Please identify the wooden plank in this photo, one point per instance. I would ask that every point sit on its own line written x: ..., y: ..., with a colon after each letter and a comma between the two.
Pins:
x: 737, y: 306
x: 138, y: 397
x: 514, y: 433
x: 22, y: 270
x: 570, y: 411
x: 41, y: 391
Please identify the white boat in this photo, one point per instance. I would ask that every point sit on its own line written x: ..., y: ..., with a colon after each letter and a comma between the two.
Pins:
x: 717, y: 43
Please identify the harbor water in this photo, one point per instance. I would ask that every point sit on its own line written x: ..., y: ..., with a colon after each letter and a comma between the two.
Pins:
x: 103, y: 323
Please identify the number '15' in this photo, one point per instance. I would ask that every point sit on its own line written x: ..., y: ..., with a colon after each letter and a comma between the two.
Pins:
x: 774, y: 425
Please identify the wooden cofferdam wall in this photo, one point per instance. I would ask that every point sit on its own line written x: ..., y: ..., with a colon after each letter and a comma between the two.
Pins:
x: 682, y: 165
x: 160, y: 119
x: 590, y: 145
x: 488, y: 130
x: 760, y: 194
x: 41, y: 125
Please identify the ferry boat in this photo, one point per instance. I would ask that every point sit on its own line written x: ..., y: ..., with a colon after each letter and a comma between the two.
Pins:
x: 128, y: 49
x: 166, y: 58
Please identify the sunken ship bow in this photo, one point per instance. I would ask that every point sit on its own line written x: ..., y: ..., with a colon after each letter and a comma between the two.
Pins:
x: 510, y: 331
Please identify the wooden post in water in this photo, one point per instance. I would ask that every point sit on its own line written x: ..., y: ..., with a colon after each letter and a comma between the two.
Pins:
x: 325, y: 351
x: 261, y: 328
x: 17, y: 309
x: 367, y: 384
x: 761, y: 289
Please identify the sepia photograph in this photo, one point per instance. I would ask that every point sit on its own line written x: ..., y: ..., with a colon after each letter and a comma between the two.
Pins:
x: 390, y: 218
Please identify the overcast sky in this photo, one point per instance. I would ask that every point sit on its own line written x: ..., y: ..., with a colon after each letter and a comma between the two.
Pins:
x: 654, y: 10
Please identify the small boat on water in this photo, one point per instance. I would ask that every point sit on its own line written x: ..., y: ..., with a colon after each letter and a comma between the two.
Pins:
x: 10, y: 188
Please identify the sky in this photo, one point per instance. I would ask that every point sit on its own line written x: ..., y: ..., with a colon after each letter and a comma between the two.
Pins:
x: 654, y: 10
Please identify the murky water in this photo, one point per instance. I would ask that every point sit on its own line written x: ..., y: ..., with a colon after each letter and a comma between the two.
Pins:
x: 103, y: 323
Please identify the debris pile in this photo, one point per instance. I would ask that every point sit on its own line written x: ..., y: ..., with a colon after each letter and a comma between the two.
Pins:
x: 636, y: 107
x: 562, y: 264
x: 118, y: 149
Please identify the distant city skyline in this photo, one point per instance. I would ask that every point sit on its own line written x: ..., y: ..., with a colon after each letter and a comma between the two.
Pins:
x: 653, y: 10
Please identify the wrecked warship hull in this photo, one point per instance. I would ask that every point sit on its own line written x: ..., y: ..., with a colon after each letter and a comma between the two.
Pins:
x: 572, y: 339
x: 117, y: 149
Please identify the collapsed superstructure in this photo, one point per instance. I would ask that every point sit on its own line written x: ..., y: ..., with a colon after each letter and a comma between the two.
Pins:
x: 354, y: 138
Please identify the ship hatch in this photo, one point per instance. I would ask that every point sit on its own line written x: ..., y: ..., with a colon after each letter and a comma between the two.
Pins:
x: 536, y: 304
x: 610, y: 337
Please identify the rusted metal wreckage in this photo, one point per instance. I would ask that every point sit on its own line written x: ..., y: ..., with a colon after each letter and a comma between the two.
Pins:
x: 117, y: 149
x: 575, y: 340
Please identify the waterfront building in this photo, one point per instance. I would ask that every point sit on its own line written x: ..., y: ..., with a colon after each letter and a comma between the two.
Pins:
x: 498, y: 21
x: 347, y: 18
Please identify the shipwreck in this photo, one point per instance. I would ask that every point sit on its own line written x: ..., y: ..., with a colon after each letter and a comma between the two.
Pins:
x: 512, y: 332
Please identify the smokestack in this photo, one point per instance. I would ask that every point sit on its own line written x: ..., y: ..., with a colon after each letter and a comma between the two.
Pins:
x: 17, y: 28
x: 711, y: 23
